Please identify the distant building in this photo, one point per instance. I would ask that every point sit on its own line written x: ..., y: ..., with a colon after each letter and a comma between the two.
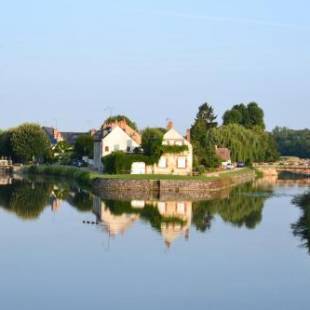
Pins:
x: 115, y: 136
x: 224, y: 155
x: 56, y: 136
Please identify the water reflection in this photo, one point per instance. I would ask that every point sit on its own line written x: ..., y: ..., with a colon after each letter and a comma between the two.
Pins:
x: 241, y: 207
x: 301, y: 228
x: 171, y: 215
x: 27, y: 199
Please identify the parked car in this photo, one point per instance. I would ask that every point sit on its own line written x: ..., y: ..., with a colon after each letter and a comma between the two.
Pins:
x: 229, y: 166
x: 240, y: 164
x: 79, y: 163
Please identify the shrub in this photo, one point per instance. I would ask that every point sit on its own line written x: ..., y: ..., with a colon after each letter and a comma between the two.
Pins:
x: 120, y: 162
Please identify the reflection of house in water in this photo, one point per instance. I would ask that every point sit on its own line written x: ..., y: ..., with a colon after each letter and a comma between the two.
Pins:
x: 113, y: 224
x: 5, y: 180
x: 175, y: 217
x: 171, y: 230
x: 56, y: 204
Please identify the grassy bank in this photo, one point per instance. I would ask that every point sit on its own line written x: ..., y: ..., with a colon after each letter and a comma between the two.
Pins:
x: 86, y: 177
x: 82, y: 176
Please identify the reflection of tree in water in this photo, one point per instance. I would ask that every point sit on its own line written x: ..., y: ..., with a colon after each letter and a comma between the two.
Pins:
x: 81, y: 200
x: 243, y: 207
x: 301, y: 228
x: 25, y: 199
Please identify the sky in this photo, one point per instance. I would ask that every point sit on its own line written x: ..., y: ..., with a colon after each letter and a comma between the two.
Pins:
x: 72, y: 63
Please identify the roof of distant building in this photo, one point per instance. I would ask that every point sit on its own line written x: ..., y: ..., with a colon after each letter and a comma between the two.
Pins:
x: 223, y: 153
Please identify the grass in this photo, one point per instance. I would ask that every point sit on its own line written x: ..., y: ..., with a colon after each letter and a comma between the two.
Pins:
x: 86, y: 176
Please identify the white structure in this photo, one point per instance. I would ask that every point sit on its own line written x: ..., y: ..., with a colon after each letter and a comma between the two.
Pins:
x: 110, y: 140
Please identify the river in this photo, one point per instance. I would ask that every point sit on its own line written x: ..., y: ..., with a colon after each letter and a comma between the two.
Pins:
x: 63, y: 247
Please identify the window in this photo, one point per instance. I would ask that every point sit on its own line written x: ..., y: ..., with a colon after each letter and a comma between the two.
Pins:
x: 106, y: 149
x: 181, y: 162
x: 181, y: 208
x: 162, y: 162
x: 128, y: 149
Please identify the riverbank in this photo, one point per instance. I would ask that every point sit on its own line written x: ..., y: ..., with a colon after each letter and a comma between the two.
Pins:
x: 133, y: 185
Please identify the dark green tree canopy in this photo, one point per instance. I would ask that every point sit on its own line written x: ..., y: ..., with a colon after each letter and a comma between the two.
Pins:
x: 84, y: 146
x: 292, y: 142
x: 152, y: 142
x: 249, y: 116
x: 29, y: 142
x: 205, y: 120
x: 204, y: 149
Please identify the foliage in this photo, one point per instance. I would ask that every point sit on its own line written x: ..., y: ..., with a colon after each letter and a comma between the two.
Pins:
x: 84, y: 146
x: 119, y: 118
x: 292, y: 142
x: 246, y: 145
x: 120, y: 162
x: 205, y: 120
x: 173, y: 149
x: 24, y: 199
x: 61, y: 153
x: 302, y: 227
x: 29, y: 142
x: 81, y: 176
x: 249, y: 116
x: 5, y: 144
x: 152, y: 142
x: 204, y: 150
x: 241, y: 207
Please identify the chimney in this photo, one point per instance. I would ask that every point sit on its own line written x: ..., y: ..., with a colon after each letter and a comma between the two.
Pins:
x: 170, y: 125
x: 92, y: 132
x: 188, y: 135
x: 57, y: 135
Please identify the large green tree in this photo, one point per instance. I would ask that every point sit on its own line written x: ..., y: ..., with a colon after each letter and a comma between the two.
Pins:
x: 204, y: 149
x: 5, y: 144
x: 249, y: 116
x: 152, y: 142
x: 84, y: 146
x: 29, y: 142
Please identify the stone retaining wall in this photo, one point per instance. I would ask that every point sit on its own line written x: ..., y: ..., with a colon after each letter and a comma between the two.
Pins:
x: 183, y: 189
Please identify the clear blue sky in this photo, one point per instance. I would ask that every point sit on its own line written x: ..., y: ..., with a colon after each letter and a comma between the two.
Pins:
x: 71, y: 63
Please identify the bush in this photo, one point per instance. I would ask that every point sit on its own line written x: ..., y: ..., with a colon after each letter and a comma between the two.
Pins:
x: 81, y: 176
x: 120, y: 162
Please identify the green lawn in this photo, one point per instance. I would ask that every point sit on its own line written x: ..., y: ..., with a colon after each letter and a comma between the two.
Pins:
x: 155, y: 177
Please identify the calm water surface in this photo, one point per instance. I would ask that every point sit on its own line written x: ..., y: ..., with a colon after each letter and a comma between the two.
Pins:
x: 64, y: 248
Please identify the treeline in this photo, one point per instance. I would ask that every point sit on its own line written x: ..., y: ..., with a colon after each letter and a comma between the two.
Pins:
x: 292, y: 142
x: 30, y: 143
x: 243, y: 132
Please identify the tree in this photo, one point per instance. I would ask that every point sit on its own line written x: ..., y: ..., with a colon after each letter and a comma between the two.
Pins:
x: 204, y: 149
x: 84, y: 146
x: 5, y: 144
x: 29, y: 142
x: 152, y: 142
x: 249, y: 116
x: 245, y: 144
x: 292, y: 142
x: 205, y: 120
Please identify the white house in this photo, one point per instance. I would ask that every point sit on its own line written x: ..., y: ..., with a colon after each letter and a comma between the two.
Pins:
x: 115, y: 137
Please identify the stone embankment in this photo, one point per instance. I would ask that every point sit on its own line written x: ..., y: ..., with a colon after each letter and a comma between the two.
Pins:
x: 183, y: 189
